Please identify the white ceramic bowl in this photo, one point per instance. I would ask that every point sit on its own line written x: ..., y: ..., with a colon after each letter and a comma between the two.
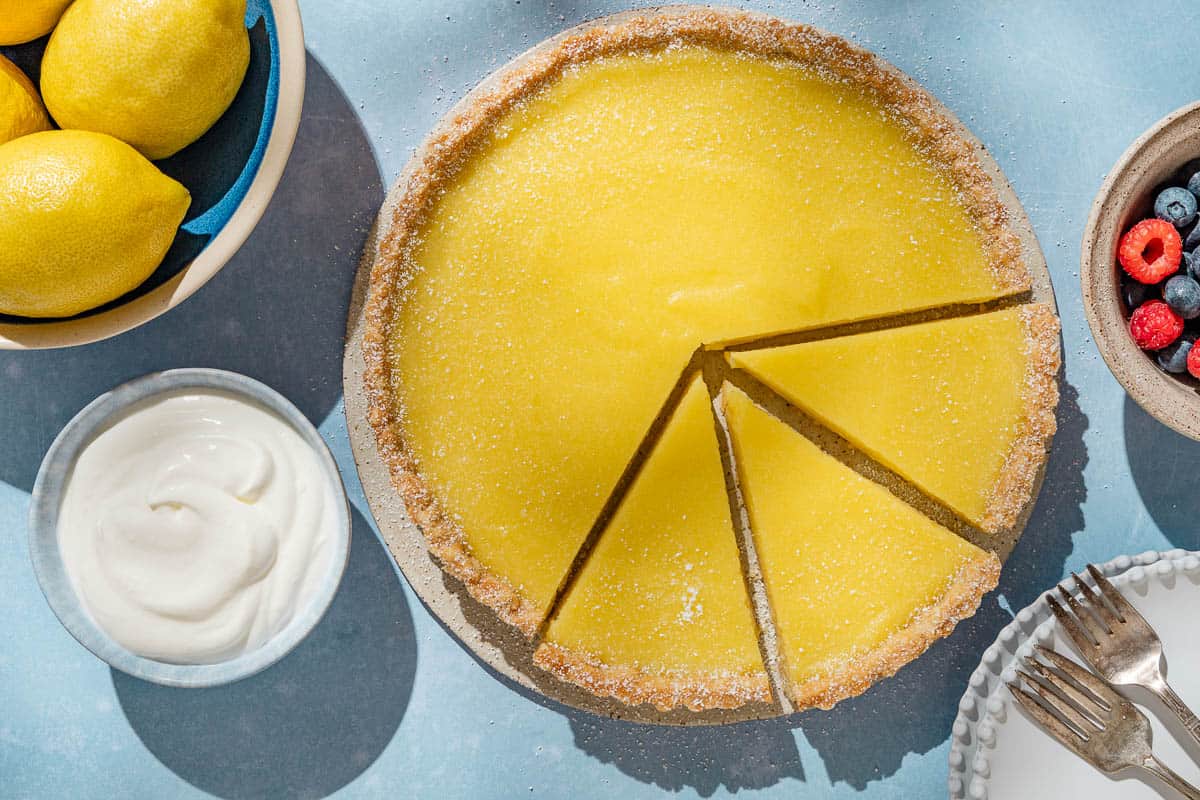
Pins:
x: 56, y: 584
x: 285, y: 55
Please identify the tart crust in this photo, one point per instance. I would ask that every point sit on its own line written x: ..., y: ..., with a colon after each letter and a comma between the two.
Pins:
x: 1015, y: 486
x: 960, y: 600
x: 457, y: 136
x: 665, y: 691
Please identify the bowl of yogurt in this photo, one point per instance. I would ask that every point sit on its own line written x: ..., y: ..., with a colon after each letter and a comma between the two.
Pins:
x: 189, y: 527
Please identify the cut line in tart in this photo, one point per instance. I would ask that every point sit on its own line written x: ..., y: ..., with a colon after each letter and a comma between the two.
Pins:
x: 598, y: 220
x: 859, y: 583
x: 961, y: 407
x: 659, y: 613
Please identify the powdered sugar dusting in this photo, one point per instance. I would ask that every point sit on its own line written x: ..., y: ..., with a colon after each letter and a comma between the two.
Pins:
x: 395, y: 272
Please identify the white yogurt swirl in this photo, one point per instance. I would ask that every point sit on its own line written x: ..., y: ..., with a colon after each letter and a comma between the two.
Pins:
x: 195, y: 527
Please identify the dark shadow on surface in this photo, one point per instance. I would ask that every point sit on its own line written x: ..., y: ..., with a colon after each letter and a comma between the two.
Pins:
x: 308, y: 725
x: 744, y: 755
x: 28, y: 57
x: 1166, y: 471
x: 910, y: 712
x: 1036, y: 563
x: 276, y: 312
x: 913, y: 710
x: 916, y: 707
x: 705, y: 758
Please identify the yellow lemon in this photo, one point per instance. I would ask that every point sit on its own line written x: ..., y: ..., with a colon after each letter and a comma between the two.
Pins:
x: 154, y: 73
x: 21, y: 111
x: 84, y: 218
x: 25, y: 20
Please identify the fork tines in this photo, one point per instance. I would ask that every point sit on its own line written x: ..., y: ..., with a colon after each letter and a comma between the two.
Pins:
x: 1071, y: 701
x: 1097, y: 616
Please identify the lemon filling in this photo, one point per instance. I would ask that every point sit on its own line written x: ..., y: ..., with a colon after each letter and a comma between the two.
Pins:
x: 942, y: 403
x: 848, y: 567
x: 639, y: 206
x: 662, y: 593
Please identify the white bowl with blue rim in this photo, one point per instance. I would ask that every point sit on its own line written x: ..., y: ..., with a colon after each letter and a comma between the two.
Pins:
x: 51, y: 571
x: 231, y: 172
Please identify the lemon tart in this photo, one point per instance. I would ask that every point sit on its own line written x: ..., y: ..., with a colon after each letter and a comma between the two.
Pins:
x: 957, y: 406
x: 859, y: 582
x: 659, y: 613
x: 589, y: 227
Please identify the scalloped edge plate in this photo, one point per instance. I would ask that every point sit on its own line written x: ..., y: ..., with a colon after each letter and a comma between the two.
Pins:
x: 986, y: 737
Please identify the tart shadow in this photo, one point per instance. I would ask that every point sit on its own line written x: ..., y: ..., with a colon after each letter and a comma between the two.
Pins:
x: 682, y: 749
x: 909, y: 712
x: 743, y: 755
x: 1038, y: 557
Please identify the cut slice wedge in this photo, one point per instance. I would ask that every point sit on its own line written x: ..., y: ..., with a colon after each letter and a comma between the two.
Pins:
x: 660, y: 612
x: 859, y: 583
x: 962, y: 408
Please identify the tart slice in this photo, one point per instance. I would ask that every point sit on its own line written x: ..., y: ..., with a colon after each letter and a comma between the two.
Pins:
x: 963, y: 408
x: 660, y: 613
x: 859, y: 582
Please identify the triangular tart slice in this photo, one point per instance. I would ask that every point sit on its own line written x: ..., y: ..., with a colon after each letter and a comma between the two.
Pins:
x: 963, y: 408
x: 859, y: 582
x: 660, y: 613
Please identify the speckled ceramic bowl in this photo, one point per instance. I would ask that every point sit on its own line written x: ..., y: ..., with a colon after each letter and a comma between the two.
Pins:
x: 47, y: 560
x: 1127, y: 196
x: 231, y: 172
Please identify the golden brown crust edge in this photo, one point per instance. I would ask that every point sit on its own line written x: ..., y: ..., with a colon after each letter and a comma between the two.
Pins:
x: 467, y: 125
x: 444, y: 536
x: 960, y: 600
x: 1014, y: 488
x: 665, y: 691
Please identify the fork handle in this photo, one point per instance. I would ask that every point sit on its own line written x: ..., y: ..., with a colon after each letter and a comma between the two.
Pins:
x: 1172, y: 701
x: 1168, y: 776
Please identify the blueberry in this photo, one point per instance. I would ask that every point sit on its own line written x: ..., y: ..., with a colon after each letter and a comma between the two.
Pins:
x: 1192, y: 240
x: 1193, y: 183
x: 1182, y: 294
x: 1191, y: 265
x: 1173, y: 357
x: 1137, y: 293
x: 1177, y: 206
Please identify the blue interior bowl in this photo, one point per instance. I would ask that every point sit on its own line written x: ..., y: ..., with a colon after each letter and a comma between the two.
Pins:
x: 218, y: 169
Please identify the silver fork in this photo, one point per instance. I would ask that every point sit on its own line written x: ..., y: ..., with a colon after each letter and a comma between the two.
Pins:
x: 1118, y: 642
x: 1092, y: 719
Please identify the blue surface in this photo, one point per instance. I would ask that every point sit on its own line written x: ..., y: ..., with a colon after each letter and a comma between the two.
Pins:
x: 381, y: 701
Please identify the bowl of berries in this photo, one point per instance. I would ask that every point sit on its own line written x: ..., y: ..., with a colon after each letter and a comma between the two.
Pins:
x: 1140, y: 269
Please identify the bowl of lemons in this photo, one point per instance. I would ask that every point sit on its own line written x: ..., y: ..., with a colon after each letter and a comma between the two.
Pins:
x: 140, y: 142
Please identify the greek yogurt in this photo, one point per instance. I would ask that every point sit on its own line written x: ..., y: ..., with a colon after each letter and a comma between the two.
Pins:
x: 196, y: 526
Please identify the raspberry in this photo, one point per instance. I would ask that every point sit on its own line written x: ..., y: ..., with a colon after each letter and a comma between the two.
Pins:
x: 1193, y: 362
x: 1150, y: 250
x: 1154, y: 325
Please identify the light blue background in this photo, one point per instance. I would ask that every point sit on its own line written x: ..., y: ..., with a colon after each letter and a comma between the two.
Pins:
x: 381, y: 701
